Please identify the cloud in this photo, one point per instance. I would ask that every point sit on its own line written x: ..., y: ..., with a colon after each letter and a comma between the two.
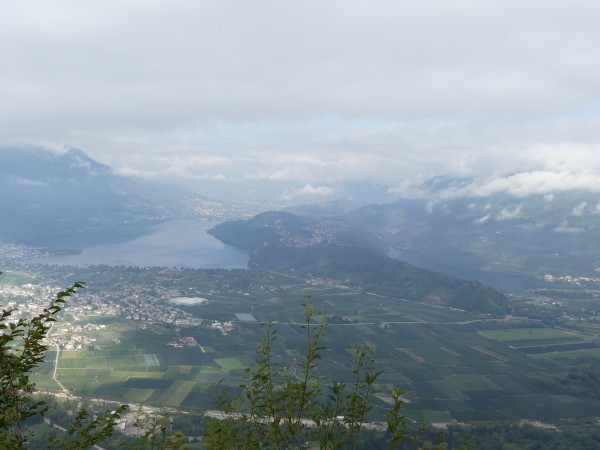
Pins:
x: 510, y: 213
x: 29, y: 182
x: 308, y: 192
x: 156, y: 62
x: 289, y: 174
x: 527, y: 183
x: 309, y: 92
x: 579, y: 209
x: 483, y: 219
x: 564, y: 228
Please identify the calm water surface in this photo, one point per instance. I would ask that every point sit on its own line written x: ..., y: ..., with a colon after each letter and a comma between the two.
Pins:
x: 177, y: 243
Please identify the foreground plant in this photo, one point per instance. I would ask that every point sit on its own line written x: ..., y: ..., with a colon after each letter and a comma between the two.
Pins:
x: 156, y: 433
x: 296, y: 407
x: 22, y: 348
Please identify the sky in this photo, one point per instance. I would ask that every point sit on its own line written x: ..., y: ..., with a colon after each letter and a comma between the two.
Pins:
x: 307, y: 97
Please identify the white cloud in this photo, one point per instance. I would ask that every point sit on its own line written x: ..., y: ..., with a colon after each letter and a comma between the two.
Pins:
x: 29, y: 182
x: 308, y: 92
x: 323, y: 191
x: 289, y: 174
x: 564, y: 228
x: 307, y: 192
x: 579, y: 209
x: 510, y: 213
x: 528, y: 183
x: 405, y: 188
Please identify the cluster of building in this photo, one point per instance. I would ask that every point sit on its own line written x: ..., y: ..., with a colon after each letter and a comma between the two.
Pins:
x: 578, y: 281
x: 26, y: 300
x: 75, y: 337
x: 319, y: 281
x: 216, y: 210
x: 14, y: 252
x: 317, y: 236
x: 223, y: 327
x: 135, y: 302
x: 188, y: 341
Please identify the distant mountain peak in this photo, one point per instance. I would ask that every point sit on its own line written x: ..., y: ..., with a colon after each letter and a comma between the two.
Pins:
x: 78, y: 159
x: 52, y: 196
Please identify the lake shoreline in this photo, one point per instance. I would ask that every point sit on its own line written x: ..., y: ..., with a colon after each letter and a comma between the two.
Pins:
x: 173, y: 243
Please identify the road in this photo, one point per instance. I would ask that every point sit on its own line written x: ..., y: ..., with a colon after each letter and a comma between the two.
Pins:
x: 64, y: 389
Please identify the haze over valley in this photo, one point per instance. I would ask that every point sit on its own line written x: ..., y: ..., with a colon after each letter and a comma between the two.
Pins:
x: 426, y: 175
x: 491, y: 298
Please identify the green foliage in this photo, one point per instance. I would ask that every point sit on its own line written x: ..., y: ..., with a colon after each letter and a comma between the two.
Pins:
x: 22, y: 347
x: 583, y: 379
x: 156, y: 434
x: 569, y: 435
x: 85, y: 431
x: 278, y: 241
x: 283, y: 407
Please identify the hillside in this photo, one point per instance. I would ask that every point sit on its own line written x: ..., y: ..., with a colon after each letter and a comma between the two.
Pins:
x: 51, y: 199
x: 340, y: 252
x: 508, y: 240
x: 499, y: 238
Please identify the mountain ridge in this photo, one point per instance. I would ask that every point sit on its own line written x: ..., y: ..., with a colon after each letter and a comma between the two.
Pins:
x: 284, y: 241
x: 52, y: 198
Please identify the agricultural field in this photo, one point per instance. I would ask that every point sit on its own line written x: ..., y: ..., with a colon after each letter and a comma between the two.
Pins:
x: 453, y: 366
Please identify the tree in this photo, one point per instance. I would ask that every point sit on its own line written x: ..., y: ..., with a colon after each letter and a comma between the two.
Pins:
x: 156, y: 434
x: 294, y: 407
x: 278, y: 407
x: 22, y: 347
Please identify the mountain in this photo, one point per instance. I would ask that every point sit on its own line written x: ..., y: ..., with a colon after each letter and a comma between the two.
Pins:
x: 346, y: 254
x: 283, y: 229
x: 508, y: 233
x: 51, y: 199
x: 500, y: 239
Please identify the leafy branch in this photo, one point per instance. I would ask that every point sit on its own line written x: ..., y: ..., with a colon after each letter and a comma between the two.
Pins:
x: 282, y: 408
x: 23, y: 344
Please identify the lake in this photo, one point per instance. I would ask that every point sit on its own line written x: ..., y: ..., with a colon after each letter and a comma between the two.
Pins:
x: 176, y: 243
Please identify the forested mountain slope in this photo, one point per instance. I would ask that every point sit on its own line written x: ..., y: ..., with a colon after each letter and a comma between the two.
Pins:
x: 335, y: 250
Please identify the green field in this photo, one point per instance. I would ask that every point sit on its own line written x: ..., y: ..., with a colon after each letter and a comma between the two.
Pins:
x: 230, y: 363
x: 176, y: 393
x: 453, y: 366
x: 525, y: 334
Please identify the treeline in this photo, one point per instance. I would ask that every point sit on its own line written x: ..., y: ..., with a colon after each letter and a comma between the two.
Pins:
x: 569, y: 436
x: 60, y: 411
x: 581, y: 435
x: 566, y: 436
x: 583, y: 379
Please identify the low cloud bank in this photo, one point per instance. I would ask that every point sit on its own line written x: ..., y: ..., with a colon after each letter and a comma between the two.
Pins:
x: 521, y: 185
x: 308, y: 192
